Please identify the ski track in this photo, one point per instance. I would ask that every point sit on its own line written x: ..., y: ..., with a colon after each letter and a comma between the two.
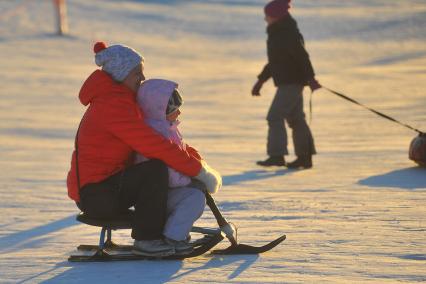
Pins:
x: 357, y: 217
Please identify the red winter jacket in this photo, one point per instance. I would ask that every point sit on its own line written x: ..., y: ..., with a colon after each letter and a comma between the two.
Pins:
x: 111, y: 129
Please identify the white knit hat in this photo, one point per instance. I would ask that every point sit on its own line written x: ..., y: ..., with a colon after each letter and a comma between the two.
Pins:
x: 117, y: 60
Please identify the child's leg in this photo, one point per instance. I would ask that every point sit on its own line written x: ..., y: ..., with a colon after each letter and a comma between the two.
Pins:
x: 185, y: 205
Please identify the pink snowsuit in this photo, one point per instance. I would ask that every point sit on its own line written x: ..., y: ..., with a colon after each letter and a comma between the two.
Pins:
x: 185, y: 203
x: 153, y: 96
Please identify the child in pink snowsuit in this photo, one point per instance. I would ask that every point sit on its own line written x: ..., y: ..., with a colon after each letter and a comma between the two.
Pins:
x: 160, y: 101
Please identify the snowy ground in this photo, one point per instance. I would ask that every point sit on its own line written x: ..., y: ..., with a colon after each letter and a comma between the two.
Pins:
x: 358, y: 216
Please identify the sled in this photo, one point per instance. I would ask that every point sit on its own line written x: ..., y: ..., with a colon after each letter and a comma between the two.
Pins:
x: 107, y: 250
x: 417, y: 150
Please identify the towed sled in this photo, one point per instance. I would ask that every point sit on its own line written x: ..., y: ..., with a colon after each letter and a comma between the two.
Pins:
x: 208, y: 238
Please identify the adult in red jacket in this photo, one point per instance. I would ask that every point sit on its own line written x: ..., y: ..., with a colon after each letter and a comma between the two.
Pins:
x: 102, y: 179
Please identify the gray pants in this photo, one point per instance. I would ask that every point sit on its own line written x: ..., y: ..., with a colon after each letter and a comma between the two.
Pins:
x: 288, y: 106
x: 184, y: 206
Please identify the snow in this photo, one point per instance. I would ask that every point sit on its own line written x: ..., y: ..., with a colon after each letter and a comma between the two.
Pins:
x: 357, y: 216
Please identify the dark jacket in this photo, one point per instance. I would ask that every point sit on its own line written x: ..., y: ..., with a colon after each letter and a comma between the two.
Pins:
x: 288, y: 61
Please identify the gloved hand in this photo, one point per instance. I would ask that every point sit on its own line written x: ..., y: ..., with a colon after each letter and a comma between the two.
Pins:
x: 256, y: 88
x: 210, y: 177
x: 314, y: 85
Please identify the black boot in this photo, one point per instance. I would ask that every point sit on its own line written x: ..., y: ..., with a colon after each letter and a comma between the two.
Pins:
x: 272, y: 161
x: 304, y: 162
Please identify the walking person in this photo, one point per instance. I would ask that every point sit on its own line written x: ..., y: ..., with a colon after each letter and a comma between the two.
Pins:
x: 291, y: 69
x: 103, y: 181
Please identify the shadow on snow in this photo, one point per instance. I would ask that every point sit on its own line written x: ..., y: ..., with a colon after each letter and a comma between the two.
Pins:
x: 34, y: 237
x: 253, y: 175
x: 147, y: 271
x: 409, y: 178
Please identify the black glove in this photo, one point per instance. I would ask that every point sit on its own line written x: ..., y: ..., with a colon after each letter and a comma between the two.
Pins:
x: 314, y: 85
x: 256, y: 88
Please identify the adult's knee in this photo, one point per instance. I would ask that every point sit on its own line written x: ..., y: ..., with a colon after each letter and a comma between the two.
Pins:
x: 158, y: 168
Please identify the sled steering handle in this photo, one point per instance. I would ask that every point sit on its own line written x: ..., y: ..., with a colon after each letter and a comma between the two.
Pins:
x: 229, y: 230
x: 221, y: 221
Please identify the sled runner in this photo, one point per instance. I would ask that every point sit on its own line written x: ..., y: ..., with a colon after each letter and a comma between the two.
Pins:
x: 230, y: 231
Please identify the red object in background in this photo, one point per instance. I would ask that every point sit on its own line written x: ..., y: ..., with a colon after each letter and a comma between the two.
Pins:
x: 61, y: 16
x: 417, y: 151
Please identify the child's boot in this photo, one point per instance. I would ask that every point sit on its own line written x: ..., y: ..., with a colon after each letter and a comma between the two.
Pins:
x: 181, y: 247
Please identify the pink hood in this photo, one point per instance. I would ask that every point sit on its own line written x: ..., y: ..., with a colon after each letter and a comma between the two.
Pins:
x: 153, y: 96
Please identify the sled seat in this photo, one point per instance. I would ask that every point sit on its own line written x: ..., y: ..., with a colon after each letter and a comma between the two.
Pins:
x: 121, y: 221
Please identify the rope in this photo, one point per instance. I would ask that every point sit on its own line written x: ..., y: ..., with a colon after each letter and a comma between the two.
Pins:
x: 374, y: 111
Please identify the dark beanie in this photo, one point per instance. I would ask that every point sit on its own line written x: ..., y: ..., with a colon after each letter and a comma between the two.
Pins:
x: 277, y: 8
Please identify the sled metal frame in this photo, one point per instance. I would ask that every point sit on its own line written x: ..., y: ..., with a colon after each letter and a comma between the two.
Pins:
x: 122, y: 221
x: 212, y: 236
x: 109, y: 244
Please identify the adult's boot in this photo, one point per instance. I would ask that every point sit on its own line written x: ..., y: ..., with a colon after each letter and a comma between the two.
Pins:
x: 272, y: 161
x: 304, y: 162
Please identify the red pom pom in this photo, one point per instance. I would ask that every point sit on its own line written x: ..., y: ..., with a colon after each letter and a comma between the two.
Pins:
x: 99, y: 46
